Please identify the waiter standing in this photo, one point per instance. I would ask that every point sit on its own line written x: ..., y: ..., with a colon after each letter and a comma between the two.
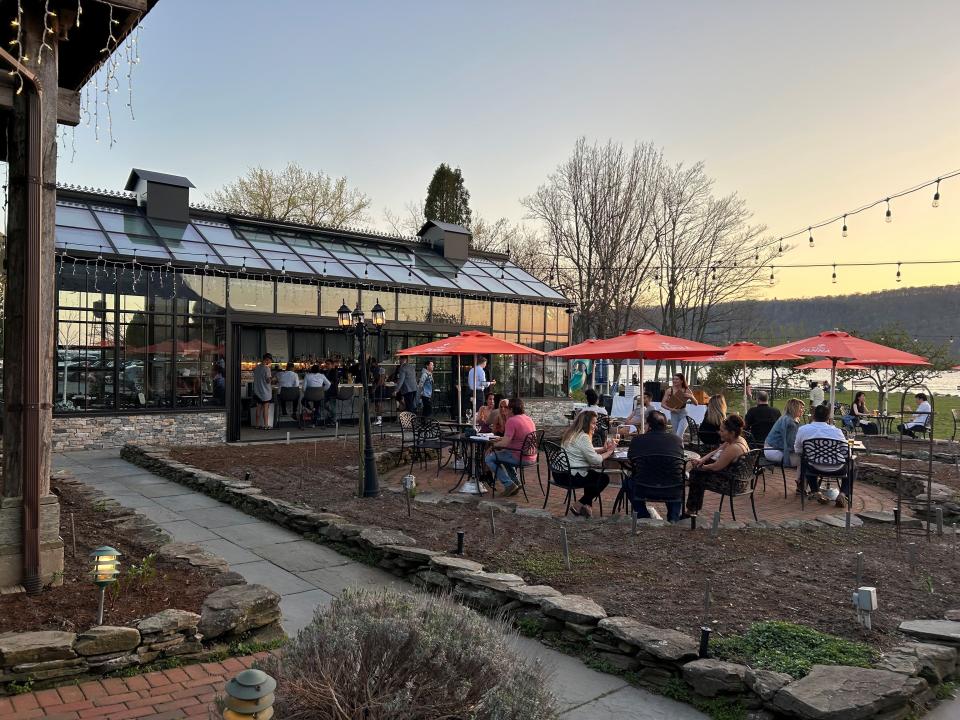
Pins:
x: 478, y: 383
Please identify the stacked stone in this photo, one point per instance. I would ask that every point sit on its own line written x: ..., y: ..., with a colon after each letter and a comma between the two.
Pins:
x: 109, y: 647
x: 95, y: 433
x: 240, y: 611
x: 168, y: 633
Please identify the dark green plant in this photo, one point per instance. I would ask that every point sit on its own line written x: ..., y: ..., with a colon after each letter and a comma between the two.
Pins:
x: 946, y: 690
x: 790, y: 648
x: 17, y: 688
x: 717, y: 708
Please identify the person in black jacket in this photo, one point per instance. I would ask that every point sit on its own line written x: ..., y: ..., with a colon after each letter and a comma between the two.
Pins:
x: 657, y: 441
x: 761, y: 418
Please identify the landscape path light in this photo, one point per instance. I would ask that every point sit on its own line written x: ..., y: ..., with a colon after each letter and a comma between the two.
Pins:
x: 250, y: 695
x: 106, y: 570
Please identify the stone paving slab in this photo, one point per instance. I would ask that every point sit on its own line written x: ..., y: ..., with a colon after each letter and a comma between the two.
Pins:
x: 298, y: 608
x: 157, y: 513
x: 164, y: 489
x: 217, y: 516
x: 257, y: 534
x: 301, y: 555
x: 337, y: 579
x: 264, y: 572
x: 233, y: 554
x: 186, y: 531
x: 191, y: 501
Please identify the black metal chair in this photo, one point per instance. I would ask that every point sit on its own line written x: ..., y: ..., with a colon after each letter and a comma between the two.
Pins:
x: 345, y: 403
x: 427, y: 436
x: 825, y: 458
x: 406, y: 432
x: 692, y: 433
x: 707, y: 439
x: 760, y: 469
x: 760, y: 430
x: 315, y: 398
x: 559, y: 474
x: 927, y: 426
x: 531, y: 446
x: 739, y: 479
x: 956, y: 422
x: 657, y: 478
x: 291, y: 396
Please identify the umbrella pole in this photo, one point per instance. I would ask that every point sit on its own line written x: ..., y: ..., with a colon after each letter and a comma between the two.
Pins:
x: 473, y: 392
x: 773, y: 374
x: 643, y: 412
x: 745, y: 408
x: 833, y: 383
x: 459, y: 384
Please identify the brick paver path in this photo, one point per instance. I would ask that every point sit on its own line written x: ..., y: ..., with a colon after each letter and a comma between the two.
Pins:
x: 182, y: 692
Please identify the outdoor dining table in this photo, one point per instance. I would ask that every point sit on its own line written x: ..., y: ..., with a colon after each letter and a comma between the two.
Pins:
x: 472, y: 450
x: 619, y: 456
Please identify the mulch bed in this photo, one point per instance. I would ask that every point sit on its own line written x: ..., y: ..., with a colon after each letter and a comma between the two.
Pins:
x: 660, y: 576
x: 73, y: 606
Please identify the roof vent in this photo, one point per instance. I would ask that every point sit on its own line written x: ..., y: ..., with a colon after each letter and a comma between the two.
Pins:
x: 165, y: 197
x: 453, y: 240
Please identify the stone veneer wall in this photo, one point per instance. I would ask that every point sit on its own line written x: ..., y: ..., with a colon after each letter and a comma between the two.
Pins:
x: 903, y: 680
x: 548, y: 411
x: 104, y: 431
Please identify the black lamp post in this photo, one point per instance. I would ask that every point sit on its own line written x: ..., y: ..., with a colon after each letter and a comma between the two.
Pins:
x: 353, y: 323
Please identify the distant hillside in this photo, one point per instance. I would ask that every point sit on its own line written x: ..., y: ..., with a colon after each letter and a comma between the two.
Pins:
x: 931, y: 313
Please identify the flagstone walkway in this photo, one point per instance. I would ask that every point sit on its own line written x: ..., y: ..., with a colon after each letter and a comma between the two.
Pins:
x: 306, y: 576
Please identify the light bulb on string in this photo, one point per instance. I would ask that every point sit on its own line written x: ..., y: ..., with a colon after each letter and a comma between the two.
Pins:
x: 888, y: 217
x: 844, y: 231
x: 771, y: 275
x: 898, y: 272
x: 780, y: 247
x: 810, y: 230
x: 936, y: 195
x: 834, y: 279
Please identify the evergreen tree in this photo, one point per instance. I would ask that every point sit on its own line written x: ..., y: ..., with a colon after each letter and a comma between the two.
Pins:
x: 447, y: 197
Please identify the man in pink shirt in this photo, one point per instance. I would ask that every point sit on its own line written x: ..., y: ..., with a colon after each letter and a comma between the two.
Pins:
x: 505, y: 458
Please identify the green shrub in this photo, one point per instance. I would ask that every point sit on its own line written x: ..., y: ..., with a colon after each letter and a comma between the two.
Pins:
x: 390, y: 656
x: 793, y: 649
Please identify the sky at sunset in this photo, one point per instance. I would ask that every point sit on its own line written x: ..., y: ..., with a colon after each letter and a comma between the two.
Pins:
x: 805, y: 110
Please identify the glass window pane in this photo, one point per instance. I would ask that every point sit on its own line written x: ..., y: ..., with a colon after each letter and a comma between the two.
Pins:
x: 552, y: 319
x: 194, y: 252
x: 251, y: 295
x: 146, y: 356
x: 286, y: 261
x: 506, y: 316
x: 219, y: 234
x: 75, y: 217
x: 463, y: 281
x: 329, y: 266
x: 90, y: 240
x: 85, y: 360
x: 189, y: 293
x: 214, y: 294
x: 386, y: 298
x: 141, y: 246
x: 238, y: 257
x: 133, y: 285
x: 122, y: 222
x: 563, y: 324
x: 331, y: 298
x: 476, y: 312
x: 176, y: 231
x: 412, y: 307
x: 446, y: 311
x: 296, y: 299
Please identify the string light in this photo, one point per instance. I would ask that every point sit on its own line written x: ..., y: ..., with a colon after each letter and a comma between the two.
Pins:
x: 898, y: 272
x: 780, y: 247
x: 889, y: 215
x: 810, y: 230
x: 771, y: 275
x: 936, y: 195
x: 834, y: 279
x: 844, y: 231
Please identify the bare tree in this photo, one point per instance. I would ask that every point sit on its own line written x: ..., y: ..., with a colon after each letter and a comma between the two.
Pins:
x: 408, y: 222
x: 598, y: 211
x: 296, y: 195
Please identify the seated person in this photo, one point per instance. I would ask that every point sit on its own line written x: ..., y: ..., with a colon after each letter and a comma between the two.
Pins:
x: 632, y: 422
x: 586, y: 461
x: 718, y: 465
x: 505, y: 456
x: 657, y: 440
x: 498, y: 420
x: 761, y: 417
x: 855, y: 417
x: 778, y: 445
x: 593, y: 403
x: 921, y: 417
x: 821, y: 427
x: 288, y: 378
x: 314, y: 378
x: 485, y: 413
x: 709, y: 430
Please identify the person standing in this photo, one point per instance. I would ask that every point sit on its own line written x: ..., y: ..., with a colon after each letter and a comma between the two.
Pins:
x: 675, y: 400
x: 376, y: 381
x: 477, y: 381
x: 407, y: 384
x: 263, y: 392
x: 425, y: 389
x: 816, y: 395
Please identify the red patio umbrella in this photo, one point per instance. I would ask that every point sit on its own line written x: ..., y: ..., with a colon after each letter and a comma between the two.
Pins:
x: 827, y: 364
x: 637, y: 345
x: 469, y: 342
x: 746, y: 352
x: 837, y: 345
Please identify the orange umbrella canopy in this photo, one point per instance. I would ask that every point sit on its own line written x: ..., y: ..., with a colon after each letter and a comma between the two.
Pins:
x: 637, y: 344
x: 838, y: 345
x: 470, y: 342
x: 828, y: 364
x: 743, y: 352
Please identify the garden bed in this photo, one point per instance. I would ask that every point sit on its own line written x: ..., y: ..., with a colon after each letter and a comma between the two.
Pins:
x: 148, y: 583
x: 804, y: 575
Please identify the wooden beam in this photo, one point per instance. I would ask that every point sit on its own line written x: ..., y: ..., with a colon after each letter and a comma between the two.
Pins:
x: 68, y: 101
x: 140, y: 6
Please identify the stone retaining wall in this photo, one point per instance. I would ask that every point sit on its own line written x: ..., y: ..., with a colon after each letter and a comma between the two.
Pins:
x: 655, y: 657
x: 101, y: 431
x: 548, y: 412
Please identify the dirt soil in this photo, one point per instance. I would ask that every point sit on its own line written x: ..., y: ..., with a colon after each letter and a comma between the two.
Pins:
x: 73, y: 606
x: 660, y: 576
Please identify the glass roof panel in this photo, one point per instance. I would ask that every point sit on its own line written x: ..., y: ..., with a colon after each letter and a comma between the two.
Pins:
x: 75, y: 217
x: 195, y: 252
x: 219, y: 234
x: 242, y: 256
x: 465, y: 282
x: 121, y: 222
x: 176, y: 231
x: 81, y: 239
x: 142, y: 246
x: 545, y: 290
x: 286, y: 261
x: 329, y: 268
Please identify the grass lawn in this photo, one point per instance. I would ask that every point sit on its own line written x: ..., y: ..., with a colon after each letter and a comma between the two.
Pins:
x: 942, y: 405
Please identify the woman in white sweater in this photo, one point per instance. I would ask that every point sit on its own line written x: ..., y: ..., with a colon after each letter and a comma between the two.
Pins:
x: 586, y: 460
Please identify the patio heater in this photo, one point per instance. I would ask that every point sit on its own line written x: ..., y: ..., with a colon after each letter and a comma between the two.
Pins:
x: 353, y: 323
